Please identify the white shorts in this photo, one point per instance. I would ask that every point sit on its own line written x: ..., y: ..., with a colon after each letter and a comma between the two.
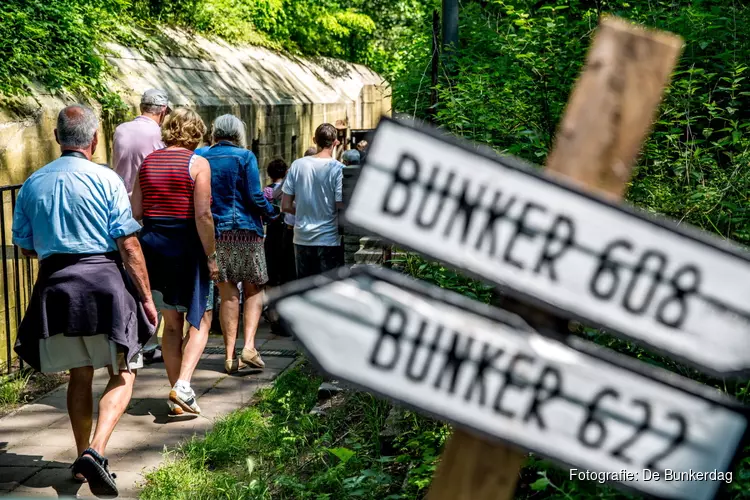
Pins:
x: 59, y: 353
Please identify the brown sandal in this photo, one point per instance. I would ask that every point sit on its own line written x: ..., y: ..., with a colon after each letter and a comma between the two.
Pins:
x: 252, y: 358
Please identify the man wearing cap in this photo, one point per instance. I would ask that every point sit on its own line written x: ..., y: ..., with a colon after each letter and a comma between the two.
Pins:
x: 134, y: 140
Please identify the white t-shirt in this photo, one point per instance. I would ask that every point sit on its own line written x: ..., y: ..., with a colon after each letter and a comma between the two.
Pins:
x: 316, y: 184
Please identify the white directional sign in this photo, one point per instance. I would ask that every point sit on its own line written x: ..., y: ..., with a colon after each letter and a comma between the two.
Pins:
x: 487, y: 370
x: 674, y: 289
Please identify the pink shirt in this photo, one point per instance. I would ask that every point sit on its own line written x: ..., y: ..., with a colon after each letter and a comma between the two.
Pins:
x: 133, y: 142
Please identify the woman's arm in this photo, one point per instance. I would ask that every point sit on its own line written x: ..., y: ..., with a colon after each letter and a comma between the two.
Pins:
x: 136, y: 200
x: 204, y: 220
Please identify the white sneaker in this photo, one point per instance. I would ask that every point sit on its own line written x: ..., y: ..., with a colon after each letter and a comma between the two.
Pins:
x: 174, y: 410
x: 185, y: 399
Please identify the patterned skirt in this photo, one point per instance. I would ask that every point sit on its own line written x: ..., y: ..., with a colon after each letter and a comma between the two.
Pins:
x: 240, y: 257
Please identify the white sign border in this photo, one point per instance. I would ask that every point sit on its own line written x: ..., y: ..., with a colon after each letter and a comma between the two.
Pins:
x: 519, y: 165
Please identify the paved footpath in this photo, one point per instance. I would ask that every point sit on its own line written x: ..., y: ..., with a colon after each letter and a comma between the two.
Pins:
x: 37, y: 446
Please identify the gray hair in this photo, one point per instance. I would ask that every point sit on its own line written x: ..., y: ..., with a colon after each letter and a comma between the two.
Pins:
x: 229, y: 128
x: 152, y: 109
x: 76, y: 126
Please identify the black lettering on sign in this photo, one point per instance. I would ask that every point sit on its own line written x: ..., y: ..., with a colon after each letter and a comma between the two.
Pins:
x: 486, y: 362
x: 495, y: 214
x: 547, y: 388
x: 679, y: 438
x: 430, y: 192
x: 560, y: 237
x: 522, y: 229
x: 454, y: 360
x: 593, y: 423
x: 466, y: 207
x: 645, y: 424
x: 392, y: 333
x: 418, y: 375
x: 509, y: 382
x: 685, y: 283
x: 406, y: 173
x: 600, y: 286
x: 656, y: 277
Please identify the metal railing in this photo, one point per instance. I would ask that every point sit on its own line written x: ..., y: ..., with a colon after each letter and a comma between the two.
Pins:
x: 18, y: 275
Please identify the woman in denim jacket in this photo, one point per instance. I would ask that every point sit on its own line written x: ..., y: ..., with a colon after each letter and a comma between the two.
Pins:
x: 238, y: 208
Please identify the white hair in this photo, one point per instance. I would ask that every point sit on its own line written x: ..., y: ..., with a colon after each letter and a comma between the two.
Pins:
x: 76, y: 126
x: 229, y: 128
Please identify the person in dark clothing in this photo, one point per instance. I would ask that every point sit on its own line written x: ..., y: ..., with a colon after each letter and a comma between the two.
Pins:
x: 274, y: 242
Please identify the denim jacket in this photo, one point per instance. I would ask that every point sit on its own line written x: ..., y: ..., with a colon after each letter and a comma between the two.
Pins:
x: 238, y: 201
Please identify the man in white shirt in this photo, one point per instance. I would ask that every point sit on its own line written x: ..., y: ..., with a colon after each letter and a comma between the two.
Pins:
x: 313, y: 194
x: 136, y: 139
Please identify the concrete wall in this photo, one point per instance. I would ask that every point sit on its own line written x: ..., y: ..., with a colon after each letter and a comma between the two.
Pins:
x: 281, y: 98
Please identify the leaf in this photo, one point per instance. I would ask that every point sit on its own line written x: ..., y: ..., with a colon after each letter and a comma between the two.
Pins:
x: 343, y: 454
x: 540, y: 484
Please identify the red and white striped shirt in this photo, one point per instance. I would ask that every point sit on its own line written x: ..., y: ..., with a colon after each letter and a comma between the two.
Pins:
x: 166, y: 184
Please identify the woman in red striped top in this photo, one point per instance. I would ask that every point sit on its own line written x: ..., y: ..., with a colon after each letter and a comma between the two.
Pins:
x: 173, y: 198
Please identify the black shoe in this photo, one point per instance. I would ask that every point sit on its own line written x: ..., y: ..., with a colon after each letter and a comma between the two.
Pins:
x: 95, y: 468
x: 153, y: 356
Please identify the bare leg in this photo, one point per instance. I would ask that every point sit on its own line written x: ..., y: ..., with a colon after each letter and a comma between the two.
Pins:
x: 81, y: 405
x: 252, y: 310
x: 229, y: 315
x: 194, y: 344
x: 171, y: 343
x: 112, y: 405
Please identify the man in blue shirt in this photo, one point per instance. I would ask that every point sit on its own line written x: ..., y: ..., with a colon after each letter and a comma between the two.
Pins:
x: 91, y: 306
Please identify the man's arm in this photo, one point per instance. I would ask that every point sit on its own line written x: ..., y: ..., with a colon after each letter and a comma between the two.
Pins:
x: 135, y: 266
x: 287, y: 204
x: 23, y: 236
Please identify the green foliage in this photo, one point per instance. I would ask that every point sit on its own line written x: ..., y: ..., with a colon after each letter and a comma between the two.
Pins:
x: 59, y: 44
x: 277, y: 449
x: 518, y: 60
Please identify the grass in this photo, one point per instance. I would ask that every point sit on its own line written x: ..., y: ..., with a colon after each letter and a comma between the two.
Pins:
x: 25, y: 386
x: 277, y: 449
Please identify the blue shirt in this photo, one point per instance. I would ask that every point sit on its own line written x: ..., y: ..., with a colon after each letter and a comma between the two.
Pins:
x: 72, y: 206
x: 202, y: 150
x: 237, y: 198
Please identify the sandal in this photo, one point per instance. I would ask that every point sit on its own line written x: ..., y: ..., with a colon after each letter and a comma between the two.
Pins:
x: 77, y: 476
x: 95, y: 468
x: 233, y: 365
x: 252, y: 358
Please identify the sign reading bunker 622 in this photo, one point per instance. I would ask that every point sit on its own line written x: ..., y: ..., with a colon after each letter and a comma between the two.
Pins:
x: 674, y: 289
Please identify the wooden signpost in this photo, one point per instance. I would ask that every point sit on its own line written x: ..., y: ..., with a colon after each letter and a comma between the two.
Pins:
x: 560, y: 243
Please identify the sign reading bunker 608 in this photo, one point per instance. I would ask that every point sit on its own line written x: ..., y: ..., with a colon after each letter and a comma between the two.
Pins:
x: 671, y: 288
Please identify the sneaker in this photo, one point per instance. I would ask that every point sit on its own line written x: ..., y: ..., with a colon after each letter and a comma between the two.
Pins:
x: 252, y: 357
x: 185, y: 399
x: 174, y: 410
x: 233, y: 365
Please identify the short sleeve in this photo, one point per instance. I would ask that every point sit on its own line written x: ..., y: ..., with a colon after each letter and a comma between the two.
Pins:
x: 339, y: 183
x: 22, y: 233
x: 288, y: 187
x: 121, y: 221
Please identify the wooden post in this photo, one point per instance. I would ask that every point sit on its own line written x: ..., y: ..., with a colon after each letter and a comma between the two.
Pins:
x: 608, y: 115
